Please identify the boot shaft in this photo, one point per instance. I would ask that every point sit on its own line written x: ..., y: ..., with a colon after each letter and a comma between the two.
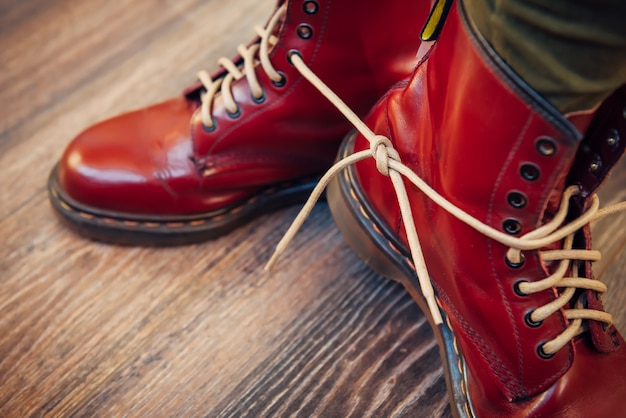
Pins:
x: 477, y: 134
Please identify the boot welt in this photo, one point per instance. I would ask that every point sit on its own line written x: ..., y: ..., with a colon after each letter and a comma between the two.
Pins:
x: 163, y: 230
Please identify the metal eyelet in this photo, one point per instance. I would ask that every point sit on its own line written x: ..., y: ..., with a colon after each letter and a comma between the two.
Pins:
x: 596, y: 164
x: 259, y: 100
x: 310, y: 7
x: 545, y: 146
x: 234, y: 115
x: 530, y: 322
x: 517, y: 199
x: 515, y: 265
x: 291, y: 53
x: 529, y: 172
x: 542, y: 353
x: 304, y: 31
x: 613, y: 139
x: 512, y: 226
x: 212, y: 128
x: 517, y: 289
x: 282, y: 81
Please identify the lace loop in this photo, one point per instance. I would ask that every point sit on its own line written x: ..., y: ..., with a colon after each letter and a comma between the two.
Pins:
x: 234, y: 72
x: 389, y: 164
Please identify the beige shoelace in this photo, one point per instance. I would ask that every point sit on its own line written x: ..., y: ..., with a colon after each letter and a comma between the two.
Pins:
x: 233, y: 72
x: 389, y: 164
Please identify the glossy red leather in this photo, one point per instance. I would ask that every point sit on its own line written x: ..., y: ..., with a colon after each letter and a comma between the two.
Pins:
x: 161, y: 161
x: 467, y: 125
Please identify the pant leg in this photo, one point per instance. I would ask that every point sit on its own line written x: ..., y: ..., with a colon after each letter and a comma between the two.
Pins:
x: 572, y: 52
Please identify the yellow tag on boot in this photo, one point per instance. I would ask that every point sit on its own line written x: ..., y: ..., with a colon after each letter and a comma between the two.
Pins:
x: 435, y: 20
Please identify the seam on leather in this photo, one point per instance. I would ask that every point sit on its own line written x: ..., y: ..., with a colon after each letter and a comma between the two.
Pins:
x: 504, y: 375
x: 510, y: 158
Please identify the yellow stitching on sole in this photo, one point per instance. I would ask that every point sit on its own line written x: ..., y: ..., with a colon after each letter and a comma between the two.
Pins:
x: 395, y: 250
x: 175, y: 224
x: 365, y: 215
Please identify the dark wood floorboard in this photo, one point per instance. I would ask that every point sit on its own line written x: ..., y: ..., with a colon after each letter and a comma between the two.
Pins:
x: 88, y: 329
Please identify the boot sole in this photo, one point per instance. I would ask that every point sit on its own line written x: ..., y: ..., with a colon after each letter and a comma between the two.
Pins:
x: 382, y: 251
x: 152, y: 230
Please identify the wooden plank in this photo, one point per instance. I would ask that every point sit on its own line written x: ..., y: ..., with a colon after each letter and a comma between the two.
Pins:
x: 88, y: 329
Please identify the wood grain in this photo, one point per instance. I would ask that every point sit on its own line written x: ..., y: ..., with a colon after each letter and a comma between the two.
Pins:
x: 88, y: 329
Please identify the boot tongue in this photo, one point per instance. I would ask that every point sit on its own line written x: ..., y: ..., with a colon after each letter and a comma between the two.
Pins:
x: 601, y: 147
x: 599, y: 150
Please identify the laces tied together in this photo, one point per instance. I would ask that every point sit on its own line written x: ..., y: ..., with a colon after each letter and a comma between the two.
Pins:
x: 388, y: 163
x: 382, y: 150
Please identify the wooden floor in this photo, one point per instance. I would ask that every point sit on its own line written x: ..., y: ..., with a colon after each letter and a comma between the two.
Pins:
x: 88, y: 329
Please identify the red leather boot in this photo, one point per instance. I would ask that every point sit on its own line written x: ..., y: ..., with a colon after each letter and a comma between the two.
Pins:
x: 486, y: 193
x: 247, y: 139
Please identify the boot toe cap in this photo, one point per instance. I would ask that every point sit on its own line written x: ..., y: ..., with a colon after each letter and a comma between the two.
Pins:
x: 127, y: 163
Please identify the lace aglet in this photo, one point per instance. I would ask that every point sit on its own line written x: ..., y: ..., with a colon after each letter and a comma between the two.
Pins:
x: 282, y: 245
x: 270, y: 264
x: 434, y: 310
x: 289, y: 235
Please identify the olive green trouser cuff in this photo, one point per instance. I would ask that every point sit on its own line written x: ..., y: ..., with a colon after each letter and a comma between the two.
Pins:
x: 572, y: 52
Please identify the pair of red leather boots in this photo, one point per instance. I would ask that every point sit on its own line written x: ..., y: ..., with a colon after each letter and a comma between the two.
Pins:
x: 478, y: 188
